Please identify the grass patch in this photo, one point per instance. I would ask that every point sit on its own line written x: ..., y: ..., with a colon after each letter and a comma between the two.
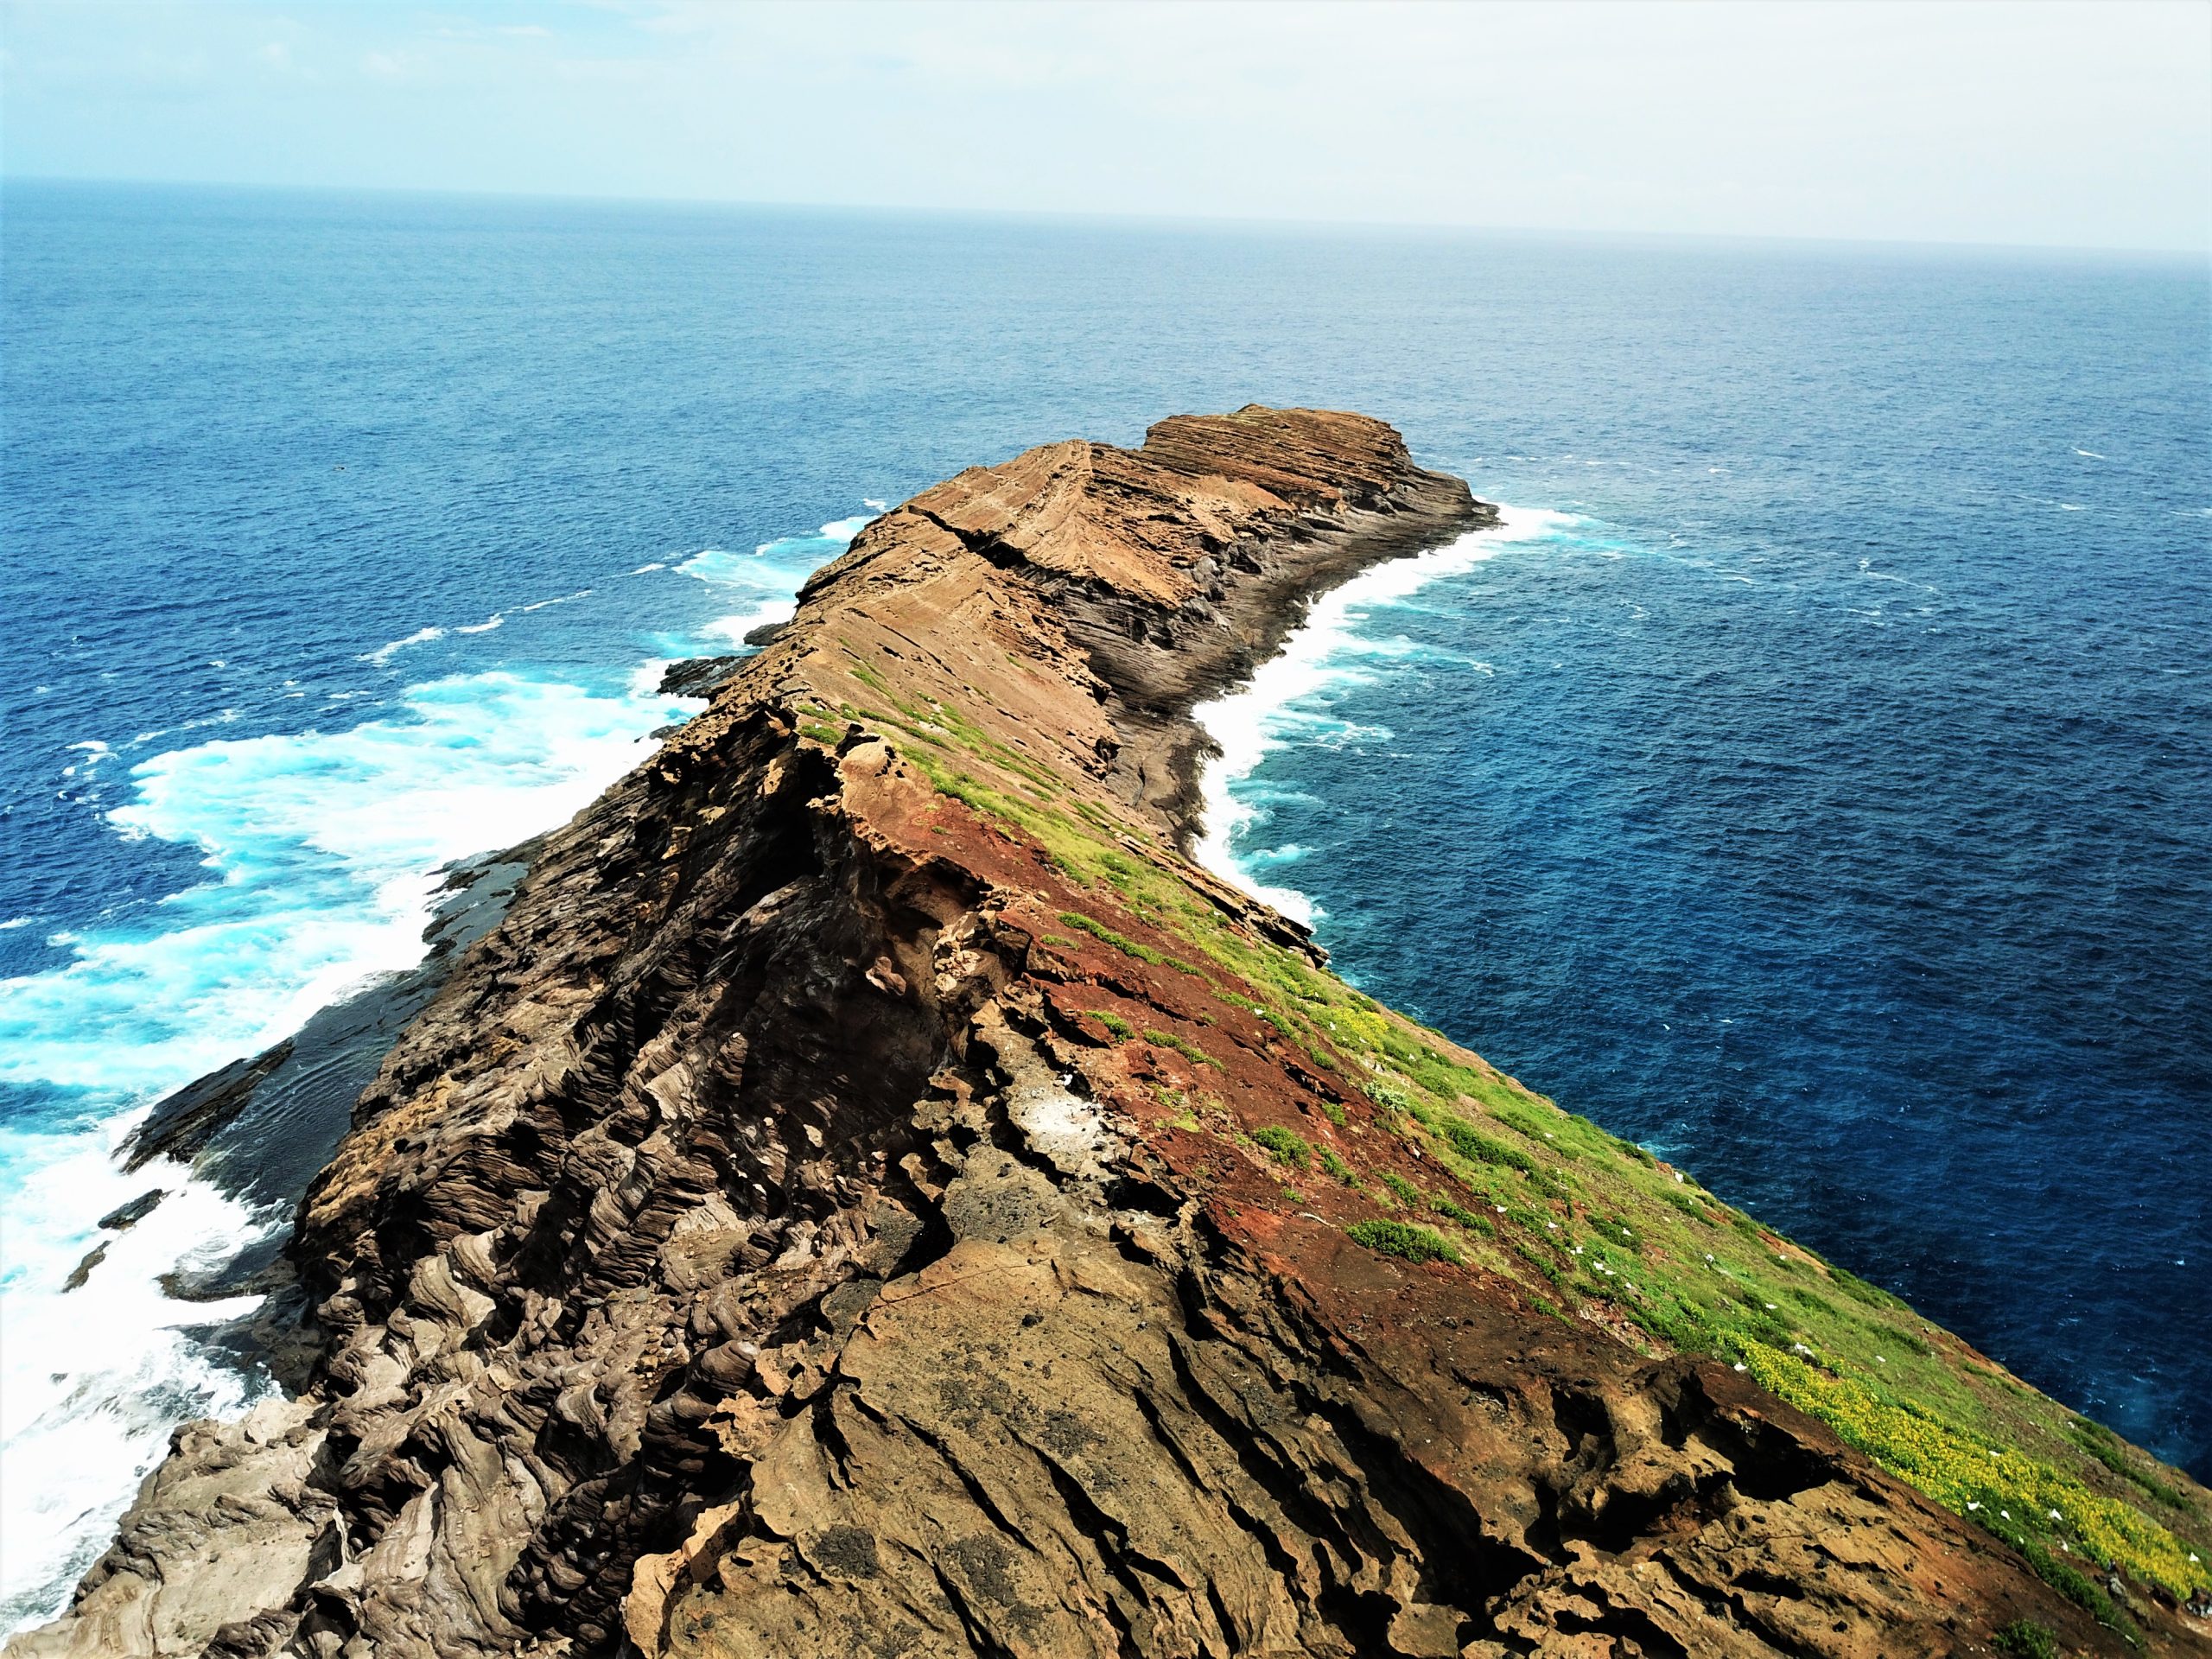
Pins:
x: 1402, y: 1239
x: 1333, y: 1112
x: 1121, y: 942
x: 1617, y: 1233
x: 1690, y: 1207
x: 1338, y: 1168
x: 2025, y: 1639
x: 1477, y: 1148
x: 1542, y: 1263
x: 1121, y: 1028
x: 1128, y: 946
x: 2105, y: 1446
x: 2008, y: 1491
x: 1189, y: 1050
x: 1465, y: 1217
x: 1403, y: 1190
x: 1286, y: 1144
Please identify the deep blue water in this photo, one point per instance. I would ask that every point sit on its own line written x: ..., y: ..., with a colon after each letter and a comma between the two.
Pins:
x: 1825, y: 799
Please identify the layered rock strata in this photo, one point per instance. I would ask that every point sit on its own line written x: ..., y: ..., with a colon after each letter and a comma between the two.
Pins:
x: 860, y: 1201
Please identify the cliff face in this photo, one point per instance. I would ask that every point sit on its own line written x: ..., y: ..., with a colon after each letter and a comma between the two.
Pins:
x: 872, y: 1194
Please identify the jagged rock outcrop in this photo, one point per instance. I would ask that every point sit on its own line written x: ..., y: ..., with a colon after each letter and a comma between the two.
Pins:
x: 843, y: 1208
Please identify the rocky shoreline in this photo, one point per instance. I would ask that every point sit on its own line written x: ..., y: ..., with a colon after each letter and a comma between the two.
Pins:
x: 872, y: 1193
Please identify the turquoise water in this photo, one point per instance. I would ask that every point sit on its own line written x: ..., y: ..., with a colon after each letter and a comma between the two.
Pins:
x: 1818, y: 789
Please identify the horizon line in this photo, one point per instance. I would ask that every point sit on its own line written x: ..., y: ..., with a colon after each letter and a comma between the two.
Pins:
x: 2201, y: 254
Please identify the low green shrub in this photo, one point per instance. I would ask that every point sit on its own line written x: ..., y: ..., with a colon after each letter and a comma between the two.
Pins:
x: 1466, y: 1217
x: 1189, y: 1051
x: 1405, y: 1191
x: 1286, y: 1144
x: 1477, y: 1148
x: 2025, y: 1639
x: 1127, y: 946
x: 1402, y: 1239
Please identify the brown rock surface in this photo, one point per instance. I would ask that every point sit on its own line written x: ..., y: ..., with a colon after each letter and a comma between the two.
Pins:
x: 761, y: 1246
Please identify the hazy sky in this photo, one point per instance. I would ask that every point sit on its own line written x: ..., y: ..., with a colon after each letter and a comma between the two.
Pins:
x: 2053, y: 123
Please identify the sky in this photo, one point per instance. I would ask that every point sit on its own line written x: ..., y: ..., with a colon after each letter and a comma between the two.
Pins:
x: 2053, y: 124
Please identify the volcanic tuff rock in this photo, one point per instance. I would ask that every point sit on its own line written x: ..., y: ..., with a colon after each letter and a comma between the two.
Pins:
x: 873, y: 1195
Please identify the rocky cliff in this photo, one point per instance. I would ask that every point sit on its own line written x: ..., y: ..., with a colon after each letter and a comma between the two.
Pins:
x: 872, y: 1194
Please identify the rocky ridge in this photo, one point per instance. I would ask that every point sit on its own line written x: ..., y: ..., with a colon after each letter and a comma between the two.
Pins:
x: 872, y: 1194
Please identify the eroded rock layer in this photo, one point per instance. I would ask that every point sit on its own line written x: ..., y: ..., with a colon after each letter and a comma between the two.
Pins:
x: 848, y: 1205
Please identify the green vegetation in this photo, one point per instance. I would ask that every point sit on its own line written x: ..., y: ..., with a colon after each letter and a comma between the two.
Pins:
x: 2026, y: 1501
x: 1576, y: 1213
x: 1125, y: 945
x: 2108, y: 1449
x: 1333, y: 1112
x: 1189, y: 1051
x: 1463, y: 1138
x: 1122, y: 1029
x: 2025, y: 1639
x: 1465, y: 1218
x: 1121, y: 942
x: 1540, y: 1262
x: 1337, y: 1166
x: 1402, y: 1239
x: 1390, y: 1099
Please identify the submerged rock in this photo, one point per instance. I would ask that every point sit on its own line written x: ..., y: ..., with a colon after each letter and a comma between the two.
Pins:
x: 125, y: 1216
x: 698, y: 677
x: 182, y: 1123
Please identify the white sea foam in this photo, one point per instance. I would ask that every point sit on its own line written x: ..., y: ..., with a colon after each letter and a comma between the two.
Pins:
x: 732, y: 629
x: 1280, y: 703
x: 873, y: 505
x: 2091, y: 453
x: 647, y: 570
x: 767, y: 581
x: 718, y: 564
x: 91, y: 1382
x: 321, y: 850
x: 386, y: 653
x: 562, y: 599
x: 486, y: 626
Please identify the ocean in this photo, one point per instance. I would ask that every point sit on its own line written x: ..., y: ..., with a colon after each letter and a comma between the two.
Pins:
x: 1812, y: 781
